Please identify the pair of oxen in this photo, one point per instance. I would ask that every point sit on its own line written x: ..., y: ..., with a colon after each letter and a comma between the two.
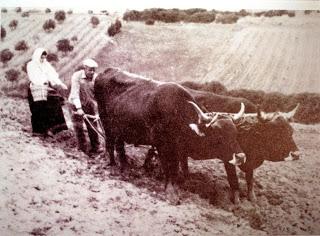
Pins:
x: 171, y: 118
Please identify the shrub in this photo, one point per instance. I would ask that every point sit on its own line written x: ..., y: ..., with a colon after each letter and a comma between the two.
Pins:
x: 307, y: 12
x: 49, y: 25
x: 105, y: 12
x: 94, y: 21
x: 114, y: 28
x: 3, y: 32
x: 12, y: 75
x: 258, y: 14
x: 52, y: 57
x: 132, y: 16
x: 21, y: 46
x: 24, y: 66
x: 18, y: 9
x: 74, y: 38
x: 69, y: 12
x: 60, y: 16
x: 90, y: 12
x: 255, y: 96
x: 13, y: 24
x: 150, y: 22
x: 48, y: 10
x: 4, y: 10
x: 202, y: 17
x: 192, y: 11
x: 291, y: 13
x: 243, y: 13
x: 5, y: 56
x: 228, y: 18
x: 64, y: 46
x: 25, y: 14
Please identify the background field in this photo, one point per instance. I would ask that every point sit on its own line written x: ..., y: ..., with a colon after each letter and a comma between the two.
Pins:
x: 48, y: 188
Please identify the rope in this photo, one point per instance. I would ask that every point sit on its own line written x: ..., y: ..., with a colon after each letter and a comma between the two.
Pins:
x: 96, y: 119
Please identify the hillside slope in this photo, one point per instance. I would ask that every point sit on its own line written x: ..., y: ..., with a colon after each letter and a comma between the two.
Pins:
x: 272, y: 54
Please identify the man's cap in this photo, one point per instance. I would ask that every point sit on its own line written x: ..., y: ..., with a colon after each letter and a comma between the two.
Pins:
x: 90, y: 63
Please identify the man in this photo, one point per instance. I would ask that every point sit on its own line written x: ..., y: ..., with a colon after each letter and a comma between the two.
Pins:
x: 82, y: 99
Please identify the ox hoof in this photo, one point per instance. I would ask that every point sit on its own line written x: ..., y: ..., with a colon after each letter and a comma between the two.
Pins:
x: 112, y: 163
x: 252, y: 197
x: 235, y: 198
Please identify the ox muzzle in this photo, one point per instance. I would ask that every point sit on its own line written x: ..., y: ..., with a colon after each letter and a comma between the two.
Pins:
x: 238, y: 159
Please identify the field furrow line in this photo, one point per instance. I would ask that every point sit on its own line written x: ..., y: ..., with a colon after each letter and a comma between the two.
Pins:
x: 256, y: 74
x: 275, y: 62
x: 250, y: 43
x: 90, y: 46
x: 217, y: 58
x: 240, y: 57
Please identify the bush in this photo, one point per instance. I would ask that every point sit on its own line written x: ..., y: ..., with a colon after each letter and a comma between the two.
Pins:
x: 114, y: 28
x: 69, y: 12
x: 3, y: 32
x: 5, y: 56
x: 243, y: 13
x: 192, y: 11
x: 12, y: 75
x: 60, y: 16
x: 90, y: 12
x: 49, y: 25
x: 202, y: 17
x: 307, y: 12
x: 48, y: 10
x: 228, y: 18
x: 258, y: 14
x: 291, y: 13
x: 105, y: 12
x: 52, y: 57
x: 13, y: 24
x: 64, y: 46
x: 4, y: 10
x: 25, y: 14
x: 21, y: 46
x: 74, y: 38
x: 94, y: 21
x: 132, y: 16
x: 18, y: 9
x: 24, y: 66
x: 150, y: 22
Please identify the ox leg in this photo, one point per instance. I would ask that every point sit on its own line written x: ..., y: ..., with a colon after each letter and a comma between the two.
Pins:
x: 110, y: 149
x: 250, y: 192
x: 147, y: 163
x: 122, y: 154
x: 184, y: 166
x: 233, y: 182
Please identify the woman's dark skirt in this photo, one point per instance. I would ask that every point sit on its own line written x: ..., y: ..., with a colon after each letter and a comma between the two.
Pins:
x: 47, y: 115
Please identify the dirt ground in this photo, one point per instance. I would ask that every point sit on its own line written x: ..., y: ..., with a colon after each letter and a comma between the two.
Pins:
x: 48, y: 188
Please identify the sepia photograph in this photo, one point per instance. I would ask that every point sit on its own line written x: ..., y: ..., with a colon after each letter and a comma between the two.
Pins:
x: 160, y: 118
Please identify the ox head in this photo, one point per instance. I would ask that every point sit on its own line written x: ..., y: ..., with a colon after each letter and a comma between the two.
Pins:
x: 270, y: 134
x: 219, y: 133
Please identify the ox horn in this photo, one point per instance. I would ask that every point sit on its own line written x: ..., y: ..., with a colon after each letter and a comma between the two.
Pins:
x: 201, y: 114
x: 289, y: 115
x: 240, y: 113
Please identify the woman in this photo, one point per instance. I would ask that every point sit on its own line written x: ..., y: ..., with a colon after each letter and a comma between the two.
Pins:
x: 45, y: 105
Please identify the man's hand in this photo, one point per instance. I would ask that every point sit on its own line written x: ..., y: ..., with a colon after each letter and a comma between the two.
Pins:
x: 80, y: 112
x: 63, y: 86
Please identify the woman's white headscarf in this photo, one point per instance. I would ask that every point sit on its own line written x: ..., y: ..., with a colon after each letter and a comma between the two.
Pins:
x: 41, y: 72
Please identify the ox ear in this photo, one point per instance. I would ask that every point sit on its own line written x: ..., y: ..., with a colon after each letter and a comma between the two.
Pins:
x: 196, y: 129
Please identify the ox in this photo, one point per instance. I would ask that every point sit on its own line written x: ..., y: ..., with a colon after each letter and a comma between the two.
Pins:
x: 262, y: 136
x: 141, y: 111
